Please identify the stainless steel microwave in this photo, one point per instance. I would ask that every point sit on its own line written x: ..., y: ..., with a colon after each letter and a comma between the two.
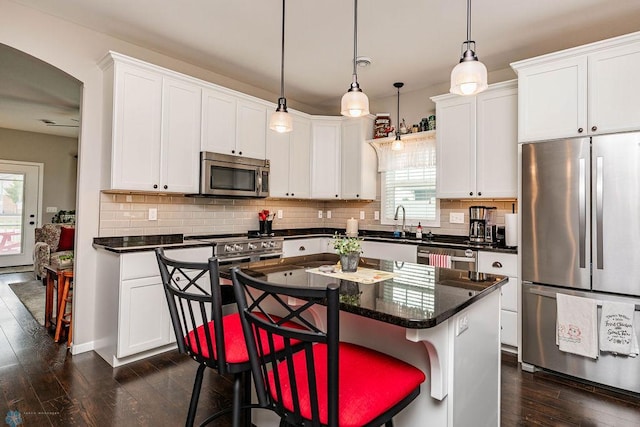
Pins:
x: 233, y: 176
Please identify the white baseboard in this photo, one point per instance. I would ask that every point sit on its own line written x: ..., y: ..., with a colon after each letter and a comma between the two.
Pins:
x: 82, y: 348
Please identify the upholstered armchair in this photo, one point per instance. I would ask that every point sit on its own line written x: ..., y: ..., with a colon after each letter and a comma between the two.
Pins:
x: 52, y: 242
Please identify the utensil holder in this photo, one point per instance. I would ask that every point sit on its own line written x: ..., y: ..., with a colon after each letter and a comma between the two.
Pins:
x: 265, y: 228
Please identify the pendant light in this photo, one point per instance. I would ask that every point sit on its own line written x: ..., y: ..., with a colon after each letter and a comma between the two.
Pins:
x: 354, y: 103
x: 469, y: 77
x: 398, y: 144
x: 281, y: 120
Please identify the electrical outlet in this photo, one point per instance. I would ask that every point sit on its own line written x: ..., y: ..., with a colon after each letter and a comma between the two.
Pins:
x: 462, y: 324
x: 328, y: 214
x: 376, y: 215
x: 319, y: 214
x: 128, y: 198
x: 52, y: 209
x: 153, y: 214
x: 279, y: 213
x: 361, y: 214
x: 456, y: 217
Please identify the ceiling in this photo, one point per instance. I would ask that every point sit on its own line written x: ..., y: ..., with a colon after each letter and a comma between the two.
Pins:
x: 414, y: 41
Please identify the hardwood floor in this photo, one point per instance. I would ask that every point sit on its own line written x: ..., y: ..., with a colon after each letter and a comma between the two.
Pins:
x: 49, y: 387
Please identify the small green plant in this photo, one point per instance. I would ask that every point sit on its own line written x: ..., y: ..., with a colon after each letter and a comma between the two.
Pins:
x: 346, y: 245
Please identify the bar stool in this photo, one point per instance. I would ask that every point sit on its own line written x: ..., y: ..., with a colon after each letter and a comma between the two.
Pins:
x: 62, y: 317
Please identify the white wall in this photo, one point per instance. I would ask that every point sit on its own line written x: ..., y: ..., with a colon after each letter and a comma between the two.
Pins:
x: 59, y: 156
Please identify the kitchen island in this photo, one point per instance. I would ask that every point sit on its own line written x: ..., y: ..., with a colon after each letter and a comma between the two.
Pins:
x: 434, y: 318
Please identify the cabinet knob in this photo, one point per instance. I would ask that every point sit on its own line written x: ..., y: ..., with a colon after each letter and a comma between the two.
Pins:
x: 155, y: 185
x: 336, y: 195
x: 287, y: 194
x: 479, y: 193
x: 471, y: 193
x: 240, y: 153
x: 302, y: 248
x: 293, y: 194
x: 233, y: 151
x: 357, y: 195
x: 594, y: 128
x: 165, y: 187
x: 496, y: 264
x: 580, y: 130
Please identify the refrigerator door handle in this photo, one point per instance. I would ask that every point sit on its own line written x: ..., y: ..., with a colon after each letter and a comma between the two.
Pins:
x: 599, y: 205
x: 582, y: 214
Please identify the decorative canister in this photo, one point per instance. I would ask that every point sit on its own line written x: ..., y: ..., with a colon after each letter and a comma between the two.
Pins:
x: 432, y: 122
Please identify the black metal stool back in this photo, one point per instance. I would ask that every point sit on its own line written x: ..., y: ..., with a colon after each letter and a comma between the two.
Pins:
x: 195, y: 304
x: 305, y: 385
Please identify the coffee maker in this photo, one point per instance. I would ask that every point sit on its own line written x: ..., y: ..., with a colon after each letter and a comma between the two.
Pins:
x: 482, y: 224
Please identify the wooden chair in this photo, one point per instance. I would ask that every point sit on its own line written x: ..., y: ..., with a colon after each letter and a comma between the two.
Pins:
x: 64, y: 313
x: 214, y: 340
x: 328, y: 382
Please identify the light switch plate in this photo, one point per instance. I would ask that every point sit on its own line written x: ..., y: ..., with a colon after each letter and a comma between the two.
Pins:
x: 279, y: 213
x: 456, y: 217
x: 319, y: 214
x: 128, y: 198
x: 328, y: 214
x: 52, y: 209
x: 361, y: 214
x: 376, y: 215
x: 153, y: 214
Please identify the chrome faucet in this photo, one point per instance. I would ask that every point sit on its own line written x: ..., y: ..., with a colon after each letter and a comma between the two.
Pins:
x: 395, y: 218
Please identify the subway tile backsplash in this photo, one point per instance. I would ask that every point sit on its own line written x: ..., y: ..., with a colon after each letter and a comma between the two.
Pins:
x: 128, y: 215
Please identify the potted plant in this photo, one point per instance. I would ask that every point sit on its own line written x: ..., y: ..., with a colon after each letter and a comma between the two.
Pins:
x: 349, y: 250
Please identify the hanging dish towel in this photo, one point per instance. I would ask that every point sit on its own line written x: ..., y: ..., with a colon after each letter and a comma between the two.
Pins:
x: 440, y: 260
x: 617, y: 332
x: 577, y: 320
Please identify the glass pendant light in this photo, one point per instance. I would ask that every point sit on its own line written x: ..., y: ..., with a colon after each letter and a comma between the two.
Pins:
x: 469, y: 77
x: 397, y: 144
x: 354, y: 103
x: 281, y: 120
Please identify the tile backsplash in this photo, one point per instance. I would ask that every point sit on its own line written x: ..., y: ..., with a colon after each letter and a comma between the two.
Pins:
x: 128, y: 214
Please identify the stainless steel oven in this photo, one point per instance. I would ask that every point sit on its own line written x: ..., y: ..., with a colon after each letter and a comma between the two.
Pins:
x: 233, y: 176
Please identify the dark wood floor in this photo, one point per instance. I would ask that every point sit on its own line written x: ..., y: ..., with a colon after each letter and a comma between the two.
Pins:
x: 48, y: 386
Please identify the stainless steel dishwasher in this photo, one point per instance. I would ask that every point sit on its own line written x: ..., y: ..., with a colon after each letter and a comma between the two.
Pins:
x: 462, y: 258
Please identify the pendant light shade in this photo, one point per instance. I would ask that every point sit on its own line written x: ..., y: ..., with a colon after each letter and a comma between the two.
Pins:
x: 354, y: 103
x: 469, y: 77
x: 397, y: 144
x: 281, y: 120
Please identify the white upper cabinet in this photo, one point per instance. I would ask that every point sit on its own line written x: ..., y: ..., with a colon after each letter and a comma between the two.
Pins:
x: 179, y: 163
x: 155, y: 129
x: 587, y: 90
x: 497, y: 142
x: 477, y: 143
x: 456, y: 146
x: 290, y: 157
x: 233, y: 125
x: 358, y: 158
x: 325, y: 155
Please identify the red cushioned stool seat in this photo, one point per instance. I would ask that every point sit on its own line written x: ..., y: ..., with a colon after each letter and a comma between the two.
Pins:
x: 370, y: 383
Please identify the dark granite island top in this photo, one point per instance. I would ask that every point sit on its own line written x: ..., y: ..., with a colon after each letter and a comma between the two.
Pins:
x: 416, y: 296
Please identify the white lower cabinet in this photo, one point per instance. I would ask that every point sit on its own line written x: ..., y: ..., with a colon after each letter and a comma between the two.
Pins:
x: 504, y: 265
x: 132, y: 318
x: 143, y: 308
x: 305, y: 246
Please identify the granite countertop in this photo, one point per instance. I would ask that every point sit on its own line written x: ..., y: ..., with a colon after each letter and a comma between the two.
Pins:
x: 417, y: 296
x: 144, y: 243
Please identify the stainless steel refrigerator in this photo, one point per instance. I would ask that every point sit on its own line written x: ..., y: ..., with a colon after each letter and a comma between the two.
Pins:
x: 580, y: 210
